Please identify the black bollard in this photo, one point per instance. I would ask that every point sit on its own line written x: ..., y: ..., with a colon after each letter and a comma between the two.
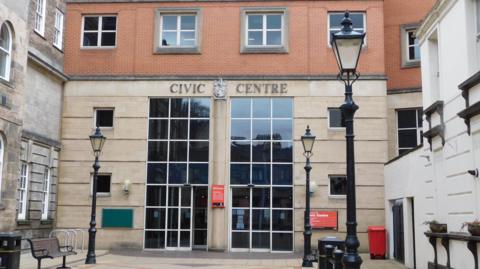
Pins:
x: 328, y: 256
x: 337, y: 256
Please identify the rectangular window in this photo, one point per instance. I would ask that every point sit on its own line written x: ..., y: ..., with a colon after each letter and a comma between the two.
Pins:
x: 103, y: 184
x: 58, y: 35
x: 338, y: 185
x: 23, y: 191
x: 413, y: 50
x: 99, y: 31
x: 264, y: 29
x: 409, y: 126
x: 178, y: 30
x: 40, y: 17
x: 335, y: 18
x: 46, y: 193
x: 335, y: 118
x: 104, y: 117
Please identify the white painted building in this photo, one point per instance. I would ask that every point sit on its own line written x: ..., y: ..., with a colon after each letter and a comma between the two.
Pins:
x: 432, y: 182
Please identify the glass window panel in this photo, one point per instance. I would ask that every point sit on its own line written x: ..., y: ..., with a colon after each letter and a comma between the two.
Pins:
x: 178, y: 129
x: 169, y: 22
x: 274, y: 38
x: 187, y: 22
x: 200, y: 238
x: 199, y: 129
x: 109, y: 23
x: 185, y: 239
x: 282, y: 220
x: 261, y: 174
x: 411, y: 53
x: 241, y: 108
x: 357, y: 20
x: 90, y: 23
x: 240, y: 151
x: 261, y: 107
x: 282, y: 108
x: 261, y: 197
x: 261, y: 151
x: 282, y: 151
x: 159, y: 108
x: 198, y: 173
x: 420, y: 117
x: 282, y: 174
x: 173, y: 196
x: 172, y: 239
x: 282, y: 129
x: 108, y: 39
x: 179, y: 108
x: 240, y: 219
x: 282, y: 242
x: 336, y: 118
x: 90, y: 39
x: 261, y: 240
x: 172, y: 222
x: 255, y: 38
x: 338, y: 185
x: 157, y: 150
x: 157, y: 173
x: 240, y: 197
x: 336, y: 19
x: 178, y: 151
x: 240, y: 240
x: 169, y: 39
x: 200, y: 108
x: 407, y: 138
x: 154, y: 239
x: 282, y: 197
x: 200, y: 195
x: 240, y: 130
x: 239, y: 174
x: 255, y: 21
x: 274, y: 21
x: 261, y: 130
x: 158, y: 129
x: 185, y: 218
x: 156, y: 195
x: 261, y: 219
x: 187, y: 38
x: 200, y: 221
x: 104, y: 117
x: 186, y: 199
x: 177, y: 173
x: 155, y: 218
x: 198, y: 152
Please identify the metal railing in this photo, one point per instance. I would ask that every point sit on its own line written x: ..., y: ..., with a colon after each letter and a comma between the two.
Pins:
x: 71, y: 237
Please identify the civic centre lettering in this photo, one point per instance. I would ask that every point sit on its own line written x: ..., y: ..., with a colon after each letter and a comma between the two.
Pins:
x: 219, y: 92
x: 187, y: 88
x: 264, y: 88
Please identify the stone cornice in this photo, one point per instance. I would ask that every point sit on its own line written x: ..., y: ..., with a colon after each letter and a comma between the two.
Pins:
x: 432, y: 17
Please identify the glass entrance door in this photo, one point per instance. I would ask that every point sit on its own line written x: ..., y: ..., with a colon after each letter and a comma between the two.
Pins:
x: 179, y: 221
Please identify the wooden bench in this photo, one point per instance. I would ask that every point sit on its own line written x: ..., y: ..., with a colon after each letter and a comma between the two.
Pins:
x: 43, y: 248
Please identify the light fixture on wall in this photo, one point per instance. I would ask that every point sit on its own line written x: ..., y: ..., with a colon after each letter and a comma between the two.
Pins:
x: 473, y: 172
x: 126, y: 186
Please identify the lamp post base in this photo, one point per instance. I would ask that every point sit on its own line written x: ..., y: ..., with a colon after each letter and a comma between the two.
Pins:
x: 91, y: 259
x: 351, y: 261
x: 307, y: 263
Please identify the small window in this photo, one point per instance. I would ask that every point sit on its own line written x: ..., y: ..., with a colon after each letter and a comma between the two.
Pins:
x: 178, y: 30
x: 103, y: 184
x: 264, y: 31
x: 410, y: 46
x: 104, y: 118
x: 335, y: 18
x: 338, y: 185
x: 58, y: 35
x: 23, y: 191
x: 335, y: 118
x: 40, y: 17
x: 99, y: 31
x: 409, y: 126
x: 5, y: 51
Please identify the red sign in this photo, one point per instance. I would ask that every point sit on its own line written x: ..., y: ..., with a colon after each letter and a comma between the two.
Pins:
x: 218, y: 196
x: 324, y: 220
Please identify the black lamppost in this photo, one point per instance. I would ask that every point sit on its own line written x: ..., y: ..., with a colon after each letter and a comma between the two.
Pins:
x: 97, y: 139
x: 347, y: 45
x: 307, y: 140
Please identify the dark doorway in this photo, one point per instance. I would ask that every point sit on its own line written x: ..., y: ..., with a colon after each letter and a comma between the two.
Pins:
x: 200, y: 211
x: 398, y: 240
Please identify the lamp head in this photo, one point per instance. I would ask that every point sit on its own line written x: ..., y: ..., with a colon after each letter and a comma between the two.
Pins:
x: 308, y: 139
x: 97, y: 140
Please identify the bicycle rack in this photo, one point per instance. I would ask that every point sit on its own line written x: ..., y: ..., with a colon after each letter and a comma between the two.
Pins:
x: 70, y: 237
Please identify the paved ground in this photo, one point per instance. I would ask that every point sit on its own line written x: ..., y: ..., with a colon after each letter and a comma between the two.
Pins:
x: 189, y: 260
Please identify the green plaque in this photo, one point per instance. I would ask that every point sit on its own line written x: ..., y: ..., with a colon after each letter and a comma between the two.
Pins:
x: 117, y: 218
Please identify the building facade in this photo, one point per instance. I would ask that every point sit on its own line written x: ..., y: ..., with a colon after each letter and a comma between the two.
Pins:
x: 441, y: 183
x: 197, y: 96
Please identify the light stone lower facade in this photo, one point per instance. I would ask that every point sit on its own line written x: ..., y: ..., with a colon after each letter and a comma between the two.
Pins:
x: 125, y: 152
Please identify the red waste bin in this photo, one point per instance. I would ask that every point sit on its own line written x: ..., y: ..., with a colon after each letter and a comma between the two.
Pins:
x: 377, y: 242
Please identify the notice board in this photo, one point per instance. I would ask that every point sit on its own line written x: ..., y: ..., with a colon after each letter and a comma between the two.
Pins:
x: 218, y: 196
x: 117, y: 218
x: 327, y: 220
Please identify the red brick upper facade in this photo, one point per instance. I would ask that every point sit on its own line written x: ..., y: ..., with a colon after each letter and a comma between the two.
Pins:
x: 220, y: 53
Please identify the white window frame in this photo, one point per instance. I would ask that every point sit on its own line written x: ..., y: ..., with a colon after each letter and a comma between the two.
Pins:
x: 99, y: 31
x: 328, y: 120
x: 335, y: 196
x: 58, y: 35
x: 178, y: 31
x: 39, y: 26
x: 23, y: 190
x: 101, y: 194
x: 408, y: 45
x: 339, y: 27
x: 46, y: 192
x: 2, y: 154
x: 264, y: 29
x: 8, y: 52
x: 418, y: 128
x: 103, y: 109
